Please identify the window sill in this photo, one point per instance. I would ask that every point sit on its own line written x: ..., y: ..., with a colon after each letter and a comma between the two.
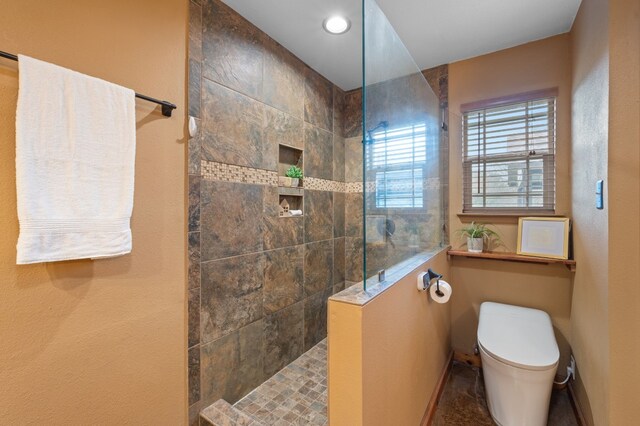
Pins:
x: 511, y: 217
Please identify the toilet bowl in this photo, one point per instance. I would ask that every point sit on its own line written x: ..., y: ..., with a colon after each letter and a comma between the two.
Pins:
x: 519, y: 361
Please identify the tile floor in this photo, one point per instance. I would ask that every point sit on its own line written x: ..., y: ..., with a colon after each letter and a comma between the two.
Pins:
x: 296, y: 395
x: 463, y: 402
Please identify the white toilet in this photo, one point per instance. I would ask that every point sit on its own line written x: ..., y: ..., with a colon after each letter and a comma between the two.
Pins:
x: 519, y: 361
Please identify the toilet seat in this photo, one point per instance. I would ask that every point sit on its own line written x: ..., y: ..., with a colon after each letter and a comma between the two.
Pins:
x: 517, y: 336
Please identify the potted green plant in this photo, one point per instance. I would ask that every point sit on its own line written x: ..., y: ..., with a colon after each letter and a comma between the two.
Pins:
x: 477, y: 234
x: 295, y: 174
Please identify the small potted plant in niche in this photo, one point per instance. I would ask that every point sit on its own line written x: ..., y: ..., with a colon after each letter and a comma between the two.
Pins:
x: 477, y: 234
x: 295, y: 174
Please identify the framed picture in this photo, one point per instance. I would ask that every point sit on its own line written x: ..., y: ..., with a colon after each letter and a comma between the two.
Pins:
x: 544, y: 237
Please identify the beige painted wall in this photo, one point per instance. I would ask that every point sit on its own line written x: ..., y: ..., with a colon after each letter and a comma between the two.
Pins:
x: 624, y: 211
x: 589, y: 318
x: 386, y: 356
x: 100, y: 342
x: 537, y: 65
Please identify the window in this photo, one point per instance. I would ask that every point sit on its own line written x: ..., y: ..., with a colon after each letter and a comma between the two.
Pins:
x: 397, y: 158
x: 509, y: 154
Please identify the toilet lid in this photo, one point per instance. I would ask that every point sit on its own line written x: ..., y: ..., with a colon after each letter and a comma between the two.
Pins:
x: 521, y: 337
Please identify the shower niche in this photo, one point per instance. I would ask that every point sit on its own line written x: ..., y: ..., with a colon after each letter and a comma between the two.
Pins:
x: 290, y: 197
x: 291, y: 202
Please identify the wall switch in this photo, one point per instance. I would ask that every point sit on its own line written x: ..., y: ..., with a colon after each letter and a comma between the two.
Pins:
x: 600, y: 195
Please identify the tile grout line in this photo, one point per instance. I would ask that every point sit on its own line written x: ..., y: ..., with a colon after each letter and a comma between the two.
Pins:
x: 260, y: 101
x: 269, y: 250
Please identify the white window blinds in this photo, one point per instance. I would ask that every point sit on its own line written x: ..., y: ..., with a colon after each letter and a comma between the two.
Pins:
x: 396, y: 158
x: 509, y: 154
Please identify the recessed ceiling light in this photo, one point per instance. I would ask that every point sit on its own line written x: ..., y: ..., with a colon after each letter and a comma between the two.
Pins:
x: 336, y: 25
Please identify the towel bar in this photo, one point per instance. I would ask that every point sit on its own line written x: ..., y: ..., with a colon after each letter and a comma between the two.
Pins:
x: 167, y: 107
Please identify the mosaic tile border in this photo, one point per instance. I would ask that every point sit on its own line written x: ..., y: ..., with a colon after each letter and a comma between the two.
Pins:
x: 323, y: 184
x: 356, y: 187
x: 214, y: 171
x: 353, y: 187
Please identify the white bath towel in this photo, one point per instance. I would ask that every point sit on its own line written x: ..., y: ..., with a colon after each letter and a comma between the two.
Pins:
x: 75, y: 154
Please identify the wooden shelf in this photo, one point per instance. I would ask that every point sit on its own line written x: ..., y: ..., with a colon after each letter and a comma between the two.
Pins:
x: 513, y: 257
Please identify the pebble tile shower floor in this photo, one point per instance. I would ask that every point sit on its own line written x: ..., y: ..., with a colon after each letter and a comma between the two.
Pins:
x: 296, y: 395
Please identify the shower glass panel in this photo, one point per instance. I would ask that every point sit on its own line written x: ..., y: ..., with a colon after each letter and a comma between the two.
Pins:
x: 402, y: 191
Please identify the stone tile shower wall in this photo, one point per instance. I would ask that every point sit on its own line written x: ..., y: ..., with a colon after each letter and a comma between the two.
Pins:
x: 258, y: 283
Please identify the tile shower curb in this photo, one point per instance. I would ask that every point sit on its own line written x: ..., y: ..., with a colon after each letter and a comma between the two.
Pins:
x: 356, y: 295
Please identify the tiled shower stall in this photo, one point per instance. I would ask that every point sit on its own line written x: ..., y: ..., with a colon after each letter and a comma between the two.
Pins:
x: 258, y: 282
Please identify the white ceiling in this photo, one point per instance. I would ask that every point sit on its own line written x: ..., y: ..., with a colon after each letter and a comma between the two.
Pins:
x: 435, y: 32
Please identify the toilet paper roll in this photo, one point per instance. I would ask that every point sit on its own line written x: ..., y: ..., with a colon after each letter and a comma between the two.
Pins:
x: 445, y: 288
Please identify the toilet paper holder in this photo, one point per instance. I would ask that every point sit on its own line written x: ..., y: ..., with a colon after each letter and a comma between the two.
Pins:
x: 425, y: 278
